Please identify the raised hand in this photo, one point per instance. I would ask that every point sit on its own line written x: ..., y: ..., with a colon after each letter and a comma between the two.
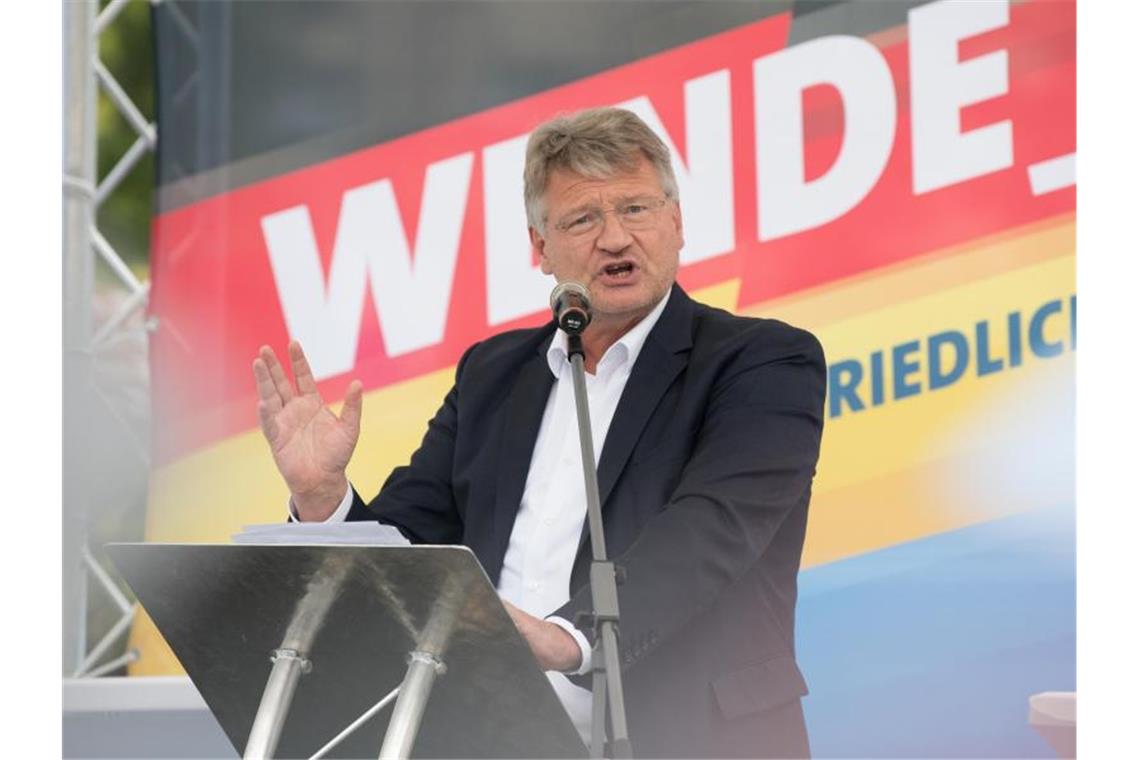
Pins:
x: 311, y: 446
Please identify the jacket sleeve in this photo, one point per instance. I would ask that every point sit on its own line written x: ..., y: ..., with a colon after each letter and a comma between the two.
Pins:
x: 752, y: 465
x: 417, y: 498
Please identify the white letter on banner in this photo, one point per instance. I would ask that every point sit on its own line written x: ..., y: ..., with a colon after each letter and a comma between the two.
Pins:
x: 787, y: 203
x: 704, y: 179
x: 515, y: 286
x: 940, y: 86
x: 411, y: 292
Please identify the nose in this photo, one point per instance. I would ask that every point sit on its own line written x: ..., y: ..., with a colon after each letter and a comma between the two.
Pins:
x: 613, y: 236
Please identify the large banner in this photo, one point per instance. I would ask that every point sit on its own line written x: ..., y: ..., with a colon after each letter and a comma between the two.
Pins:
x: 898, y: 178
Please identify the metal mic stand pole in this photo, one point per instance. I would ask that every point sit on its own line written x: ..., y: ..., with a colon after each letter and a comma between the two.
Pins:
x: 603, y: 586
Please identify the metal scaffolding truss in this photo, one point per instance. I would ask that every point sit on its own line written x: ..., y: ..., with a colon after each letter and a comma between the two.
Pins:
x: 85, y: 341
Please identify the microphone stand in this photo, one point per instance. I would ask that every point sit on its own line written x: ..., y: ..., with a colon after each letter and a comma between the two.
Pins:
x: 603, y: 587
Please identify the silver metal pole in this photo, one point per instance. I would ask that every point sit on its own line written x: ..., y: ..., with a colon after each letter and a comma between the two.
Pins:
x: 124, y: 103
x: 409, y: 710
x: 109, y: 13
x: 364, y: 718
x: 112, y: 635
x: 289, y: 661
x: 121, y: 601
x: 603, y: 584
x: 123, y: 167
x: 589, y: 461
x: 132, y: 655
x: 288, y: 666
x: 597, y: 728
x: 107, y: 253
x: 78, y: 285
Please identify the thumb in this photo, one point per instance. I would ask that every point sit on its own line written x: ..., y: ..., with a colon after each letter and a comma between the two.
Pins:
x: 353, y: 405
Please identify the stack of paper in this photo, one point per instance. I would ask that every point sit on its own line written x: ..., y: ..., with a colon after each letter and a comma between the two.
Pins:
x: 355, y: 533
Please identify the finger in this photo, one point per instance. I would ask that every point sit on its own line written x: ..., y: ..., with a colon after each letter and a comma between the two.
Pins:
x: 266, y: 390
x: 277, y: 372
x: 301, y: 372
x: 268, y: 420
x: 353, y: 405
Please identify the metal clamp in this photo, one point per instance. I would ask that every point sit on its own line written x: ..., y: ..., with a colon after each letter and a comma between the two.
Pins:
x: 292, y: 654
x: 428, y: 659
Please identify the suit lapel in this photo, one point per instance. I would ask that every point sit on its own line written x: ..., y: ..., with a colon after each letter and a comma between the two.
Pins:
x: 664, y: 355
x: 524, y: 409
x: 654, y: 372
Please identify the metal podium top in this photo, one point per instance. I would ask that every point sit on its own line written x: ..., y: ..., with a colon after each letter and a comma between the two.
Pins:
x: 357, y: 612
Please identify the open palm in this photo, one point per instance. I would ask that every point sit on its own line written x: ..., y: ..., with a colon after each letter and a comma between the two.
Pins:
x: 311, y: 445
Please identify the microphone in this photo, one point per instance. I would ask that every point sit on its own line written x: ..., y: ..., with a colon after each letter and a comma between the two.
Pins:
x: 570, y: 302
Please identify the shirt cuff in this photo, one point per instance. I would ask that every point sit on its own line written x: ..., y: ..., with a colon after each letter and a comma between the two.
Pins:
x: 336, y: 517
x: 587, y: 652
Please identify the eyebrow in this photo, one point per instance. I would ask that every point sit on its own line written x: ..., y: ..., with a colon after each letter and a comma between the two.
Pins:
x: 621, y: 200
x: 577, y: 209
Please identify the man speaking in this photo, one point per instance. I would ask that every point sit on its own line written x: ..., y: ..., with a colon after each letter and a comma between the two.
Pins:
x: 707, y: 427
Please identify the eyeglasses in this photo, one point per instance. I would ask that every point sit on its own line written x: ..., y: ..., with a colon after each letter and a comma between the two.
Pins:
x: 637, y: 214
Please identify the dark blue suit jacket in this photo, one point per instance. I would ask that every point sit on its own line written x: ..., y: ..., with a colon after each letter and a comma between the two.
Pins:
x: 705, y: 478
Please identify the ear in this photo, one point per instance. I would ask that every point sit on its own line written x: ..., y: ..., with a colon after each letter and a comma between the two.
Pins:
x: 678, y: 224
x: 538, y: 243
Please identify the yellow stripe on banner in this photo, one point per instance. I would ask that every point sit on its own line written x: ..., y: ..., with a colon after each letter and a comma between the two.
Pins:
x: 980, y: 448
x: 816, y: 308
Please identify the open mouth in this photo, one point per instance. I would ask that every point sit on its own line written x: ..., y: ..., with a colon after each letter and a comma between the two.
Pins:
x: 621, y: 269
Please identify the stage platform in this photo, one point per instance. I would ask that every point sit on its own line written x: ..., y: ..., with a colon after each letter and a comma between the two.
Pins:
x: 143, y: 717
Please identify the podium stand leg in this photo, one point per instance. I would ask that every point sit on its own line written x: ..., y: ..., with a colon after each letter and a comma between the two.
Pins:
x: 598, y: 731
x: 288, y: 665
x: 409, y: 710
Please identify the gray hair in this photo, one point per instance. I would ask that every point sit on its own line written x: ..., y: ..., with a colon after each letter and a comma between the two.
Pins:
x: 598, y: 143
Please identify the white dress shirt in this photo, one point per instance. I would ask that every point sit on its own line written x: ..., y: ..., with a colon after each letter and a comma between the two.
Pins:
x: 540, y: 554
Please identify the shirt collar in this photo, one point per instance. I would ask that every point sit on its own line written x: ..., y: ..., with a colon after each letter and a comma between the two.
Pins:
x: 624, y: 350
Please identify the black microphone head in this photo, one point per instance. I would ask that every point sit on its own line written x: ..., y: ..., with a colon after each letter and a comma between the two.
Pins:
x: 570, y: 302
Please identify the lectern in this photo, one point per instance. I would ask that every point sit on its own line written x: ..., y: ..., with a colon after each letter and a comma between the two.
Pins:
x: 289, y: 645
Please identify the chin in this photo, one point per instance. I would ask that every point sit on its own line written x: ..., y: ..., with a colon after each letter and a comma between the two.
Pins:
x: 625, y: 307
